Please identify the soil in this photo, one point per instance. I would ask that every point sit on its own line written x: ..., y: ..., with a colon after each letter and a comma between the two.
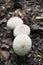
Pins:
x: 27, y: 10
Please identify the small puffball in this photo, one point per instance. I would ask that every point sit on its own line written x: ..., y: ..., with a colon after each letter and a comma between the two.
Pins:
x: 22, y: 44
x: 13, y: 22
x: 21, y: 29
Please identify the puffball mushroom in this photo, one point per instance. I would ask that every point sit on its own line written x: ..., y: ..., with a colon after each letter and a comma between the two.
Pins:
x: 22, y: 44
x: 13, y: 22
x: 21, y: 29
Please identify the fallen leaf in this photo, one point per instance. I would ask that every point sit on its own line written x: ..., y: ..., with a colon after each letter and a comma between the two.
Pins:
x: 39, y: 17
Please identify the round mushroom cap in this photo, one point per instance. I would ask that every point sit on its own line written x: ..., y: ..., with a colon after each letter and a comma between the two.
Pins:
x: 21, y: 29
x: 13, y: 22
x: 22, y: 44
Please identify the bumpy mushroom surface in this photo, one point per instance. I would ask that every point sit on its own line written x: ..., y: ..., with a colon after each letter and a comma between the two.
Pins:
x: 13, y: 22
x: 22, y: 44
x: 21, y: 29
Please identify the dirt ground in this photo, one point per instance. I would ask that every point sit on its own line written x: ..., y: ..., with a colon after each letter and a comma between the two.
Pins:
x: 27, y: 10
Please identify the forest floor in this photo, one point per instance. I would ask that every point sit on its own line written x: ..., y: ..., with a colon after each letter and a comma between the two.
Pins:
x: 29, y: 11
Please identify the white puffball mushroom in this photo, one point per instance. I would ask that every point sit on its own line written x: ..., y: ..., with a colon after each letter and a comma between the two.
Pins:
x: 22, y: 44
x: 13, y: 22
x: 21, y: 29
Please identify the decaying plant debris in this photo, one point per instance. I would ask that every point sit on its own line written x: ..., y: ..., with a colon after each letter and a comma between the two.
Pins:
x: 27, y: 10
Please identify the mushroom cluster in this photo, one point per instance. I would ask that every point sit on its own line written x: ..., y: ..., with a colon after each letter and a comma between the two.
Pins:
x: 22, y: 42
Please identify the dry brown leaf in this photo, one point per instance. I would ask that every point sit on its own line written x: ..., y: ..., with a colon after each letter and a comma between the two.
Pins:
x: 20, y: 13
